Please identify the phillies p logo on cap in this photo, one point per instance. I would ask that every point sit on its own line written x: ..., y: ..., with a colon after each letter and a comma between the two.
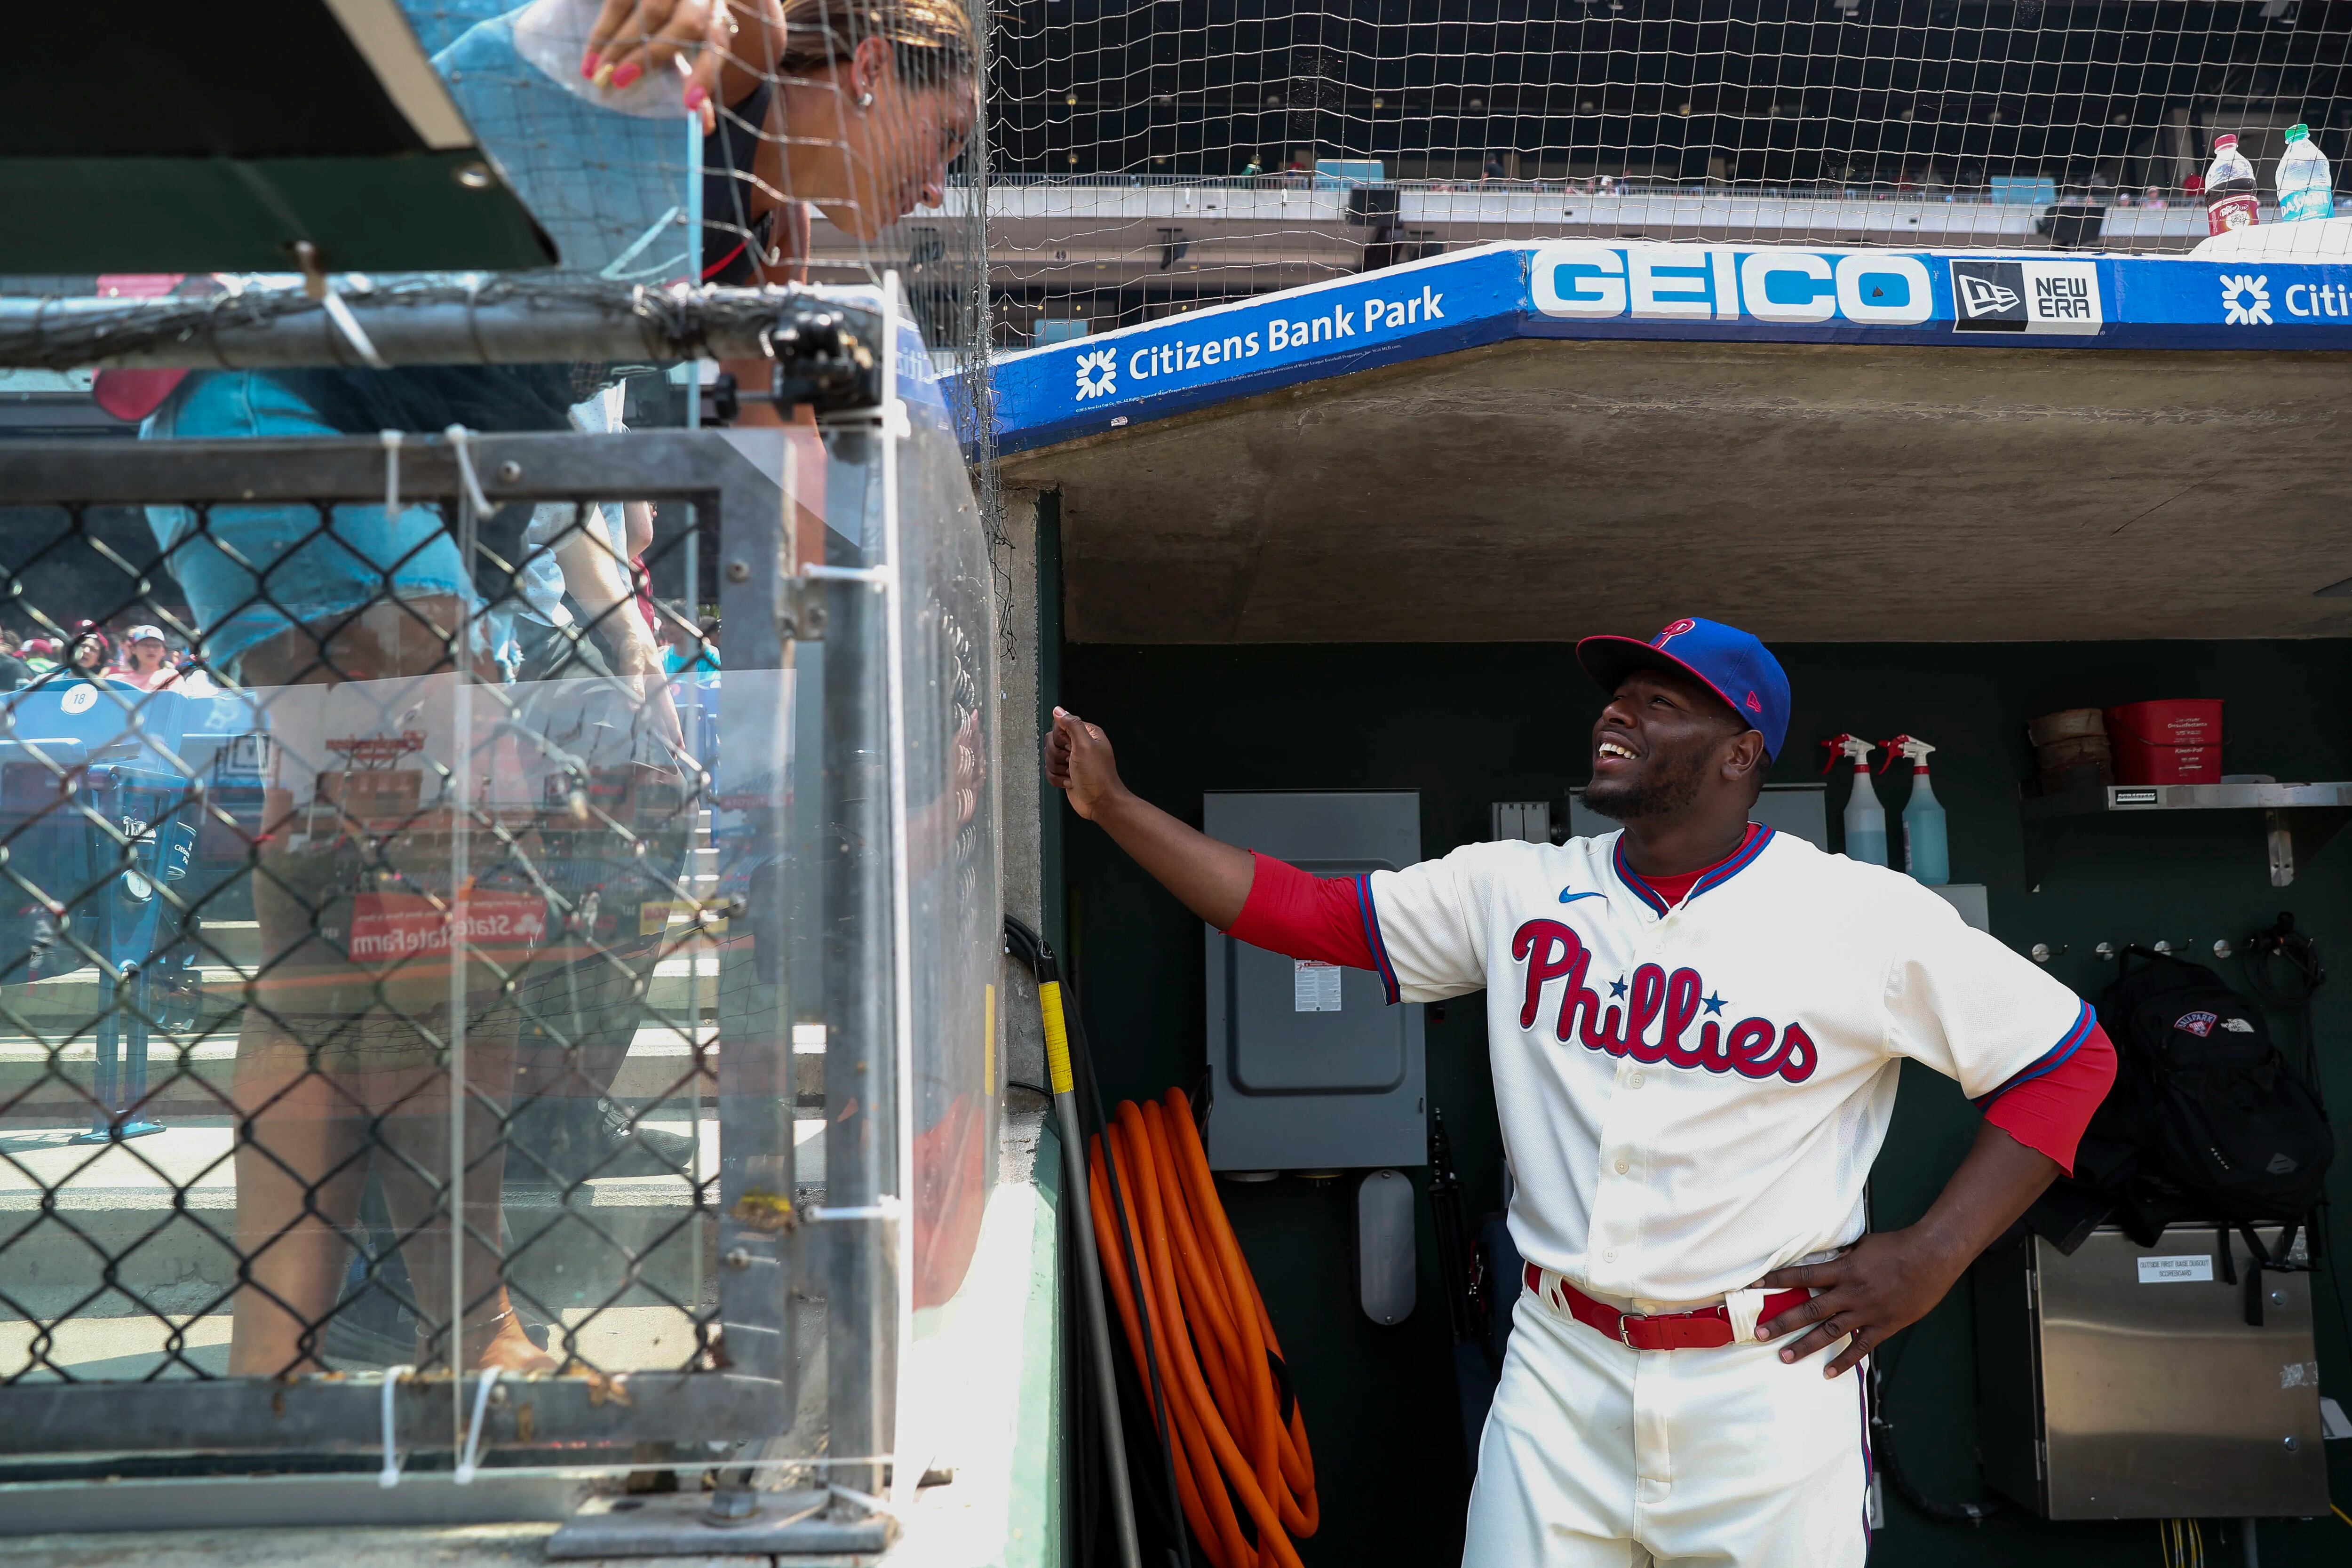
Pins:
x: 1724, y: 658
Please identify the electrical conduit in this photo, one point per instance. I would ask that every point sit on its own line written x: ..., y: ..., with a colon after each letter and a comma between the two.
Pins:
x: 1240, y: 1437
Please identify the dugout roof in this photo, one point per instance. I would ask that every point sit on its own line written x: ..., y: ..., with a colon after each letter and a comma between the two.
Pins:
x: 1535, y: 441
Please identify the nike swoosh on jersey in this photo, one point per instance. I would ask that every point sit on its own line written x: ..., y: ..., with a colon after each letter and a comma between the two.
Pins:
x: 1569, y: 897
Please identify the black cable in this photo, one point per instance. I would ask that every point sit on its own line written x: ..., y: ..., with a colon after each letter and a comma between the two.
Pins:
x: 1129, y: 1237
x: 2306, y: 975
x: 1039, y: 1089
x: 2301, y: 955
x: 1883, y: 1449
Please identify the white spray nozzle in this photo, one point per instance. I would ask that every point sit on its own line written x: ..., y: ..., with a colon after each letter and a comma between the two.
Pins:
x: 1912, y: 747
x: 1851, y: 746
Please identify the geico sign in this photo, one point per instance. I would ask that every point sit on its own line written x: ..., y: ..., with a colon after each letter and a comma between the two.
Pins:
x: 1718, y: 283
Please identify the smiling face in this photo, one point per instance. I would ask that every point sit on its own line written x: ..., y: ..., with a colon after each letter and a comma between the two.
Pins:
x: 1663, y: 741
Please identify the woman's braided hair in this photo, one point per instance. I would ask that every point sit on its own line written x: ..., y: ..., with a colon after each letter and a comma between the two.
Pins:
x: 931, y: 40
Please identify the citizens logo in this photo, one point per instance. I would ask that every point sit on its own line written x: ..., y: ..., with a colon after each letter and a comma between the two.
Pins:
x: 1098, y: 374
x: 2246, y: 299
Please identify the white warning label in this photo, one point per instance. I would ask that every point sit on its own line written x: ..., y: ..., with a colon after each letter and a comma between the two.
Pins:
x: 1314, y: 986
x: 2176, y: 1270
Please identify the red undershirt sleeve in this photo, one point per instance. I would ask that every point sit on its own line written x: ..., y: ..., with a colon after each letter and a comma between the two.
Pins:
x: 2048, y: 1113
x: 1299, y: 915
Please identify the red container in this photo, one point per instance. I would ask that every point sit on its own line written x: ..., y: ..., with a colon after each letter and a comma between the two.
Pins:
x: 2182, y: 721
x: 2138, y: 762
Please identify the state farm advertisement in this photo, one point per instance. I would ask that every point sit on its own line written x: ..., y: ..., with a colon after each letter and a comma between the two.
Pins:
x: 387, y: 926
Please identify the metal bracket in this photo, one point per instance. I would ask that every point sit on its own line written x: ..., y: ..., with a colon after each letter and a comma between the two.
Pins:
x: 822, y: 361
x: 801, y: 614
x: 2281, y: 843
x: 687, y: 1524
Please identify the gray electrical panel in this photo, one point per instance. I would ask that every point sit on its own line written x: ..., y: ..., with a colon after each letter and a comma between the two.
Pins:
x: 1309, y: 1067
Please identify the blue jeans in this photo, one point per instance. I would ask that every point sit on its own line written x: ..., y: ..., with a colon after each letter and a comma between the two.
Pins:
x: 253, y: 572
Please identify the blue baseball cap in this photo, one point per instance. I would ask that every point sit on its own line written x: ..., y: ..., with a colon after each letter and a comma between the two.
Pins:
x: 1729, y: 662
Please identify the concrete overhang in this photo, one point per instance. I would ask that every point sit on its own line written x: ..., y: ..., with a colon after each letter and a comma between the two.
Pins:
x: 1912, y: 485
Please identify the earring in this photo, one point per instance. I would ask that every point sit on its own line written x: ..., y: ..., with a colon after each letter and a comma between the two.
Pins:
x: 865, y: 100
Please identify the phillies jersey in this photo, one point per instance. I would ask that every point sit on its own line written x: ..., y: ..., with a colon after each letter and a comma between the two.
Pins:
x: 1692, y: 1095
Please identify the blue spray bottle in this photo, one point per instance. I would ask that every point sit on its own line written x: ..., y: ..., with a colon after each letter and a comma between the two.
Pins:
x: 1865, y: 819
x: 1926, y: 852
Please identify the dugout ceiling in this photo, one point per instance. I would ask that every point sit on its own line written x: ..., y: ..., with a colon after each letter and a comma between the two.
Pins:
x: 1541, y: 490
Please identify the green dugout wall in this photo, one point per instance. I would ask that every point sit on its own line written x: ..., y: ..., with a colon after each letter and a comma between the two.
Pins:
x: 1471, y: 723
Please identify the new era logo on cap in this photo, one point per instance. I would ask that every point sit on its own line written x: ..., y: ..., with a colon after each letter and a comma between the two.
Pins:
x: 1725, y: 658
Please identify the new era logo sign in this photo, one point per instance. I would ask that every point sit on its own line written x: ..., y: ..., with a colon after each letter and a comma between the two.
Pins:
x: 2039, y: 297
x: 1991, y: 292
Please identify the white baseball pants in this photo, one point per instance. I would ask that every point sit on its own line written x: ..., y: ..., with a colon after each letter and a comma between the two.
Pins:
x: 1595, y: 1456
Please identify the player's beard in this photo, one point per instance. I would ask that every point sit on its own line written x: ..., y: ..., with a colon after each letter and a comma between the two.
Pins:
x: 1669, y: 784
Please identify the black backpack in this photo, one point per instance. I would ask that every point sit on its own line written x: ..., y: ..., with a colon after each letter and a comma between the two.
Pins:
x: 2206, y: 1119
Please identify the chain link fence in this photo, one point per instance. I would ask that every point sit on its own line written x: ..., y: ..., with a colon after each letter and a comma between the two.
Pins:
x: 484, y: 972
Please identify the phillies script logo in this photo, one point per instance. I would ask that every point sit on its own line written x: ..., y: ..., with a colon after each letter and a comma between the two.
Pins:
x: 1752, y: 1048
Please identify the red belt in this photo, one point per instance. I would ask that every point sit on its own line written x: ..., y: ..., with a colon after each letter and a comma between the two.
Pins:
x: 1703, y: 1329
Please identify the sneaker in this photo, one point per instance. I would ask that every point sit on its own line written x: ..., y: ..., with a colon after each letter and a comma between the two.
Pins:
x: 575, y: 1139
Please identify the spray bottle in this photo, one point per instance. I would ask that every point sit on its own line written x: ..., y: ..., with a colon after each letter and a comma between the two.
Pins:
x: 1926, y: 852
x: 1865, y: 819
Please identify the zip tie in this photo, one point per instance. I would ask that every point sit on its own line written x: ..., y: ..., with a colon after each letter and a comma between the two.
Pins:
x: 349, y: 325
x: 391, y: 439
x: 389, y: 1477
x: 887, y: 1209
x: 459, y: 435
x: 465, y: 1476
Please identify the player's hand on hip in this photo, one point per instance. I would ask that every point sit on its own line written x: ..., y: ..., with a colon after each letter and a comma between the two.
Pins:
x: 1078, y: 762
x: 1887, y: 1281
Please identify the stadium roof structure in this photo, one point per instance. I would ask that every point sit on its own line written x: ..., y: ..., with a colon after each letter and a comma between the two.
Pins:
x: 160, y: 137
x: 1818, y: 444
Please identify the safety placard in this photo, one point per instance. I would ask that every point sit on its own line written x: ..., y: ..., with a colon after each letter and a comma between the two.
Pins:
x: 1314, y: 987
x: 2179, y: 1271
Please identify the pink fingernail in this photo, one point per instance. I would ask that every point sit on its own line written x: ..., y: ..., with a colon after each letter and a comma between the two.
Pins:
x: 627, y: 74
x: 588, y: 66
x: 695, y: 95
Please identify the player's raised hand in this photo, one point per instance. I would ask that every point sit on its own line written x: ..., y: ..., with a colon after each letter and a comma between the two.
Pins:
x: 1212, y: 880
x: 1079, y: 763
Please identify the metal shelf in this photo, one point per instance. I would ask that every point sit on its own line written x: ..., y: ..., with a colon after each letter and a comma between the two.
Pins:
x: 2310, y: 812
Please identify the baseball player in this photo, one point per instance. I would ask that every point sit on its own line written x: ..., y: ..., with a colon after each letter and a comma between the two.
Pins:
x: 1696, y: 1028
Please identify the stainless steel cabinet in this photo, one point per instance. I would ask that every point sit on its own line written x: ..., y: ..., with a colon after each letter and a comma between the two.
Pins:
x: 2125, y: 1382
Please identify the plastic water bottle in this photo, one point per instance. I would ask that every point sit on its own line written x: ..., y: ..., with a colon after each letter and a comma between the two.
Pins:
x: 2305, y: 189
x: 1865, y: 819
x: 1926, y: 851
x: 2231, y: 200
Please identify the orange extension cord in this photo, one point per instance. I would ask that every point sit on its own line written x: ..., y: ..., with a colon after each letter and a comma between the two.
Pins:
x: 1216, y: 1348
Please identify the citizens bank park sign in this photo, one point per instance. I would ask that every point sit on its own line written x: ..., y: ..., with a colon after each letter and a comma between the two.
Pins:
x: 1587, y: 290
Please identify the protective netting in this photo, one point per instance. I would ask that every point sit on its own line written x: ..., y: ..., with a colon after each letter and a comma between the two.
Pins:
x: 1152, y: 158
